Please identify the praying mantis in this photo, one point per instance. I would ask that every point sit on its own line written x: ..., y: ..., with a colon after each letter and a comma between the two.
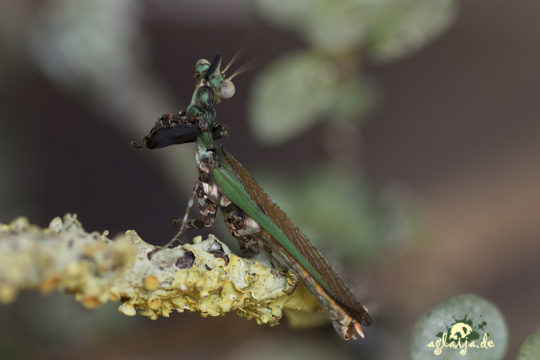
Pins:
x: 249, y: 214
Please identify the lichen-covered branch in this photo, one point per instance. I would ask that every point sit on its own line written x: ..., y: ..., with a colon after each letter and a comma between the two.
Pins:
x: 204, y: 276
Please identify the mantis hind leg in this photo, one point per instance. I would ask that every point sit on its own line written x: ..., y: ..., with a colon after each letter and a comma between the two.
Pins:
x: 243, y: 228
x: 207, y: 207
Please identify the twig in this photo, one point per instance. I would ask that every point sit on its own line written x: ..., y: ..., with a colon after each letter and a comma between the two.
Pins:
x: 204, y: 276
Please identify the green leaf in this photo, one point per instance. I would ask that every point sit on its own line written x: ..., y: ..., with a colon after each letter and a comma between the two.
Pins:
x: 290, y: 95
x: 530, y: 350
x: 338, y: 26
x: 408, y: 25
x: 388, y: 29
x: 331, y: 26
x: 465, y: 316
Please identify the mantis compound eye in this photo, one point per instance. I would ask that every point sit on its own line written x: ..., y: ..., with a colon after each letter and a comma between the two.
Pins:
x: 227, y: 89
x: 201, y: 66
x: 202, y: 63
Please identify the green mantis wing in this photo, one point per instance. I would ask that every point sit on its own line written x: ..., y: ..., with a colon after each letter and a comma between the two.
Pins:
x: 242, y: 189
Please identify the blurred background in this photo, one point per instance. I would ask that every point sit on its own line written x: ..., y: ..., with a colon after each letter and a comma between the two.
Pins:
x: 400, y: 135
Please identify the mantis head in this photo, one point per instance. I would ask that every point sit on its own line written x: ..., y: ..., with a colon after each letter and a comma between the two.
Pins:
x: 209, y: 74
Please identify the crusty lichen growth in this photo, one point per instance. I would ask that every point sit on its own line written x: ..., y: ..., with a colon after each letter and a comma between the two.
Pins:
x: 204, y: 276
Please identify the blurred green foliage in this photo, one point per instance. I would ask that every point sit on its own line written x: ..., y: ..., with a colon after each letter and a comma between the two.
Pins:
x: 385, y: 30
x: 325, y: 84
x: 300, y: 89
x: 530, y: 350
x: 326, y: 78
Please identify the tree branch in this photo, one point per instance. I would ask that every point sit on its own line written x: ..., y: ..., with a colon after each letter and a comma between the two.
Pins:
x: 204, y: 276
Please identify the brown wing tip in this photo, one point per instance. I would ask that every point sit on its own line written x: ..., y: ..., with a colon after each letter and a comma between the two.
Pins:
x: 365, y: 319
x: 359, y: 315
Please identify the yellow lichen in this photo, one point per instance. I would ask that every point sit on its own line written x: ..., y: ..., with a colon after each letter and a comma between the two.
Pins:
x: 49, y: 284
x: 154, y: 304
x: 90, y: 301
x: 149, y: 280
x: 127, y: 310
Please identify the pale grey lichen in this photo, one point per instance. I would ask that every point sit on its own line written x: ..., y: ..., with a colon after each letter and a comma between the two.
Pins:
x: 203, y: 276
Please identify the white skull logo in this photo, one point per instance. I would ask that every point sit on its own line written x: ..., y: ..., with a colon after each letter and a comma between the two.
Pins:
x: 460, y: 330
